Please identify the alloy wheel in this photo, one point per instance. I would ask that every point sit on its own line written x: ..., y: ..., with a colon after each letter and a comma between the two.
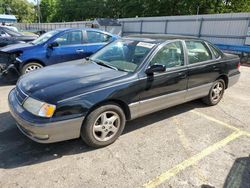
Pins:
x: 32, y: 68
x: 106, y: 126
x: 217, y: 91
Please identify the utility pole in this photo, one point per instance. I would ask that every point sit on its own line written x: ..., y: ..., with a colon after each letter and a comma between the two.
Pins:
x: 38, y: 11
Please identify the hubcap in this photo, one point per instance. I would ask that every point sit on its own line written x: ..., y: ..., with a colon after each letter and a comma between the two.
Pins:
x: 217, y: 91
x: 32, y: 68
x: 106, y: 126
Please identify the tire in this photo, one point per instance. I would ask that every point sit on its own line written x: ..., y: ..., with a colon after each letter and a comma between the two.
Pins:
x: 103, y: 126
x: 216, y: 93
x: 29, y: 67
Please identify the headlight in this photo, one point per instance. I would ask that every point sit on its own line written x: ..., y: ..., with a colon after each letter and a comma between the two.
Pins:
x: 39, y: 108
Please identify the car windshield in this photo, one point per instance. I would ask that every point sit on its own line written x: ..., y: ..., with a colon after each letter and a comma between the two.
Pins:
x: 125, y: 54
x: 45, y: 37
x: 11, y: 32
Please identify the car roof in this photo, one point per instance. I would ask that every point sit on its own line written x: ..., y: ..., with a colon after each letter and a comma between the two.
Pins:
x: 158, y: 37
x: 83, y: 28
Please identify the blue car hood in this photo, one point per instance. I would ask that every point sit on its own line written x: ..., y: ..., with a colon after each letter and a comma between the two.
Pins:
x: 57, y: 82
x: 17, y: 47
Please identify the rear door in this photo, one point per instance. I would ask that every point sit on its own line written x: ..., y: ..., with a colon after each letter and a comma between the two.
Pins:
x: 95, y: 40
x: 71, y: 47
x: 203, y: 68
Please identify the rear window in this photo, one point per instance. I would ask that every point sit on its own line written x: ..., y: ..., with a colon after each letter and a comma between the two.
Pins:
x: 96, y: 37
x: 215, y: 51
x: 197, y: 52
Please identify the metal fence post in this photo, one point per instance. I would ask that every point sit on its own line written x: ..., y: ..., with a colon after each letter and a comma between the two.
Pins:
x: 200, y: 28
x: 141, y: 27
x: 122, y: 27
x: 166, y: 27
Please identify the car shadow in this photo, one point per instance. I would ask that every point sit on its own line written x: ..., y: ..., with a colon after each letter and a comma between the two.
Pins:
x: 239, y: 175
x: 10, y: 78
x: 17, y: 150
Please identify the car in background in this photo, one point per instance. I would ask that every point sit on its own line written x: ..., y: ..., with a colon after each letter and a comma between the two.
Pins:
x: 127, y: 79
x: 58, y: 46
x: 8, y: 36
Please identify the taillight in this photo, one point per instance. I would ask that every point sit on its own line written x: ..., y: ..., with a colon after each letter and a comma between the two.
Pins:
x: 238, y: 66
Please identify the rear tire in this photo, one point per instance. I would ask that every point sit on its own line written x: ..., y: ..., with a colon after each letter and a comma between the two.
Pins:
x: 103, y: 126
x: 216, y: 93
x: 30, y: 67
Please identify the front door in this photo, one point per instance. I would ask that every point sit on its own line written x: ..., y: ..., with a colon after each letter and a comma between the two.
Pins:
x: 70, y: 47
x: 165, y: 89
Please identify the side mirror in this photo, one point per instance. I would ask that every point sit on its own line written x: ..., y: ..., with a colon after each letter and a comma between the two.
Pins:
x: 155, y: 68
x: 53, y: 45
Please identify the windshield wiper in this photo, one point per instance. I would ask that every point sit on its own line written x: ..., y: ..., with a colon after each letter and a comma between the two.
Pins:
x: 103, y: 64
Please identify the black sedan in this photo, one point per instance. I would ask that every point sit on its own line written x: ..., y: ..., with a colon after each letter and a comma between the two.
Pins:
x: 8, y: 36
x: 127, y: 79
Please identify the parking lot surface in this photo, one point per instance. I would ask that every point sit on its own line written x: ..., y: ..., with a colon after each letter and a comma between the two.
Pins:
x: 190, y: 145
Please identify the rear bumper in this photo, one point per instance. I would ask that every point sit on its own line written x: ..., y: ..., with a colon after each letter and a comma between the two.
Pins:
x: 44, y: 132
x: 233, y: 79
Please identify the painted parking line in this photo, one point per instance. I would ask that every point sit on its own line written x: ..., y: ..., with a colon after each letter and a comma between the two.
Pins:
x: 219, y: 122
x: 192, y: 160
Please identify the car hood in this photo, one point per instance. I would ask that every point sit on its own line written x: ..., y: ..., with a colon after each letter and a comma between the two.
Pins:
x: 57, y: 82
x: 16, y: 47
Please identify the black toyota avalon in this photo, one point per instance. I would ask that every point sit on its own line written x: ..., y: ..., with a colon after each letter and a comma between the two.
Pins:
x: 129, y: 78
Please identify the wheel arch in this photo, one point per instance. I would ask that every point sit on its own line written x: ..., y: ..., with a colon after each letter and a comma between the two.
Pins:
x: 32, y: 60
x: 117, y: 102
x: 225, y: 78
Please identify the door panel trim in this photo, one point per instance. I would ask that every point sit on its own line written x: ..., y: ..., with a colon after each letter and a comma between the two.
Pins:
x: 144, y: 107
x: 198, y: 92
x: 148, y: 106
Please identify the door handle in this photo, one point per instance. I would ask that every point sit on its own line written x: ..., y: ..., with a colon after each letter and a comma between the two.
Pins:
x: 182, y: 75
x: 79, y: 51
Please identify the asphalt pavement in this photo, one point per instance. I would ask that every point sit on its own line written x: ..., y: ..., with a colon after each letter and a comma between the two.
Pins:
x: 190, y: 145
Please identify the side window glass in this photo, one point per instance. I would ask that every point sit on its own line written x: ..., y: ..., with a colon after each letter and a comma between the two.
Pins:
x: 96, y: 37
x: 197, y: 52
x: 70, y: 38
x: 171, y: 55
x: 3, y: 34
x: 214, y: 51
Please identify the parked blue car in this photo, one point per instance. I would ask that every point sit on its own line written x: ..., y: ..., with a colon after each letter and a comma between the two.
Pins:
x: 57, y: 46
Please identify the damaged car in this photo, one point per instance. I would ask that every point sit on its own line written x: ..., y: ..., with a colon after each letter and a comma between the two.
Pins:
x: 9, y: 36
x: 57, y: 46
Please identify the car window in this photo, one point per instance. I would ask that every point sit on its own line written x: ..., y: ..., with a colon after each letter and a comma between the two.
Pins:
x: 2, y: 33
x: 214, y: 51
x: 96, y: 37
x: 125, y: 55
x: 70, y: 38
x: 11, y: 32
x: 171, y: 55
x: 197, y: 52
x: 45, y: 37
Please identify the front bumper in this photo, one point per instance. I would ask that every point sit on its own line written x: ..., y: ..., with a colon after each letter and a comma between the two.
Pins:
x: 47, y: 132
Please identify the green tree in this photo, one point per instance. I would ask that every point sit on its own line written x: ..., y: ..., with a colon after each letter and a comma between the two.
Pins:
x: 48, y: 10
x: 75, y: 10
x: 23, y: 10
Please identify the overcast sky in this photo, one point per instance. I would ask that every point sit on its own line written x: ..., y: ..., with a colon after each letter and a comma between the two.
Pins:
x: 32, y: 1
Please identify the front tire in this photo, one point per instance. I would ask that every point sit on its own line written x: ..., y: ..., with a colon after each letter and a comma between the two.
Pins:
x: 216, y: 93
x: 30, y: 67
x: 103, y: 126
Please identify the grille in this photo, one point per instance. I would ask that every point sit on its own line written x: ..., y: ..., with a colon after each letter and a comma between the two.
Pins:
x: 20, y: 95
